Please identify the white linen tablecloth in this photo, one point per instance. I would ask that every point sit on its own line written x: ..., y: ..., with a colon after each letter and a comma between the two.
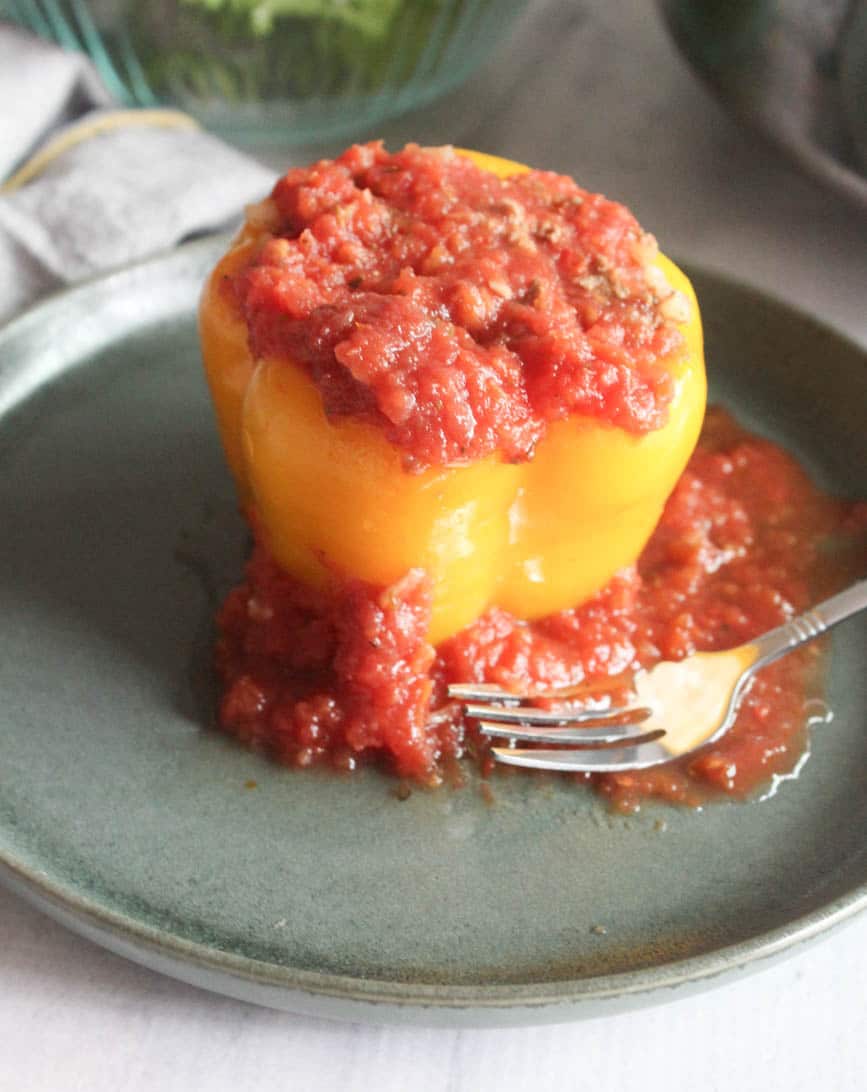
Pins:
x: 594, y: 89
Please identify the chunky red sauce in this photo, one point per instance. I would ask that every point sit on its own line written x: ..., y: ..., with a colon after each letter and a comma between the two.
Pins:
x: 744, y: 541
x: 459, y: 312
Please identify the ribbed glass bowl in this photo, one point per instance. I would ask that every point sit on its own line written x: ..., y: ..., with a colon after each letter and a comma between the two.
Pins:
x: 276, y: 71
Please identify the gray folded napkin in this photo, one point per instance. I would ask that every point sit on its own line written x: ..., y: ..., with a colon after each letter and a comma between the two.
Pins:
x: 84, y: 187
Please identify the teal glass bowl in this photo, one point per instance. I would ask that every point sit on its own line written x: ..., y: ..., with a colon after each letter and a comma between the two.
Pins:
x: 276, y: 71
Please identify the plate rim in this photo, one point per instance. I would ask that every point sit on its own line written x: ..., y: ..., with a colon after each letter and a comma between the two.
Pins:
x: 360, y: 997
x: 137, y: 941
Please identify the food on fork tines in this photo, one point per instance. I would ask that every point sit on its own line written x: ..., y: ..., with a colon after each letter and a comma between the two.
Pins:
x: 457, y: 396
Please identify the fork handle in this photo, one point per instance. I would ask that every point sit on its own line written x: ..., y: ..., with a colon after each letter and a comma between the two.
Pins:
x: 811, y: 624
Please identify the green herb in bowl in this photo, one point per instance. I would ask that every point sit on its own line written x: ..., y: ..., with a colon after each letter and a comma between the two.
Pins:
x: 290, y: 71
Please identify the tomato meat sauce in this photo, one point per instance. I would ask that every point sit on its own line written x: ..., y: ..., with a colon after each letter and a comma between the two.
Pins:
x: 459, y: 312
x: 745, y: 540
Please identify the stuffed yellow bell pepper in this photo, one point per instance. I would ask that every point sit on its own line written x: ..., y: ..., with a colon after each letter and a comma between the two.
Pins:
x: 334, y: 500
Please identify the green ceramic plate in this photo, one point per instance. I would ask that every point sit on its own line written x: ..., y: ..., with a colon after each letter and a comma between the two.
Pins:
x: 124, y: 815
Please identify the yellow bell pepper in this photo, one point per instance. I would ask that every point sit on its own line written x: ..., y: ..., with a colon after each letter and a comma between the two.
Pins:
x: 332, y: 497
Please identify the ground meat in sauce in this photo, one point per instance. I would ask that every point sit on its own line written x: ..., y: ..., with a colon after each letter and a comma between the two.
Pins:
x: 459, y: 312
x: 744, y: 541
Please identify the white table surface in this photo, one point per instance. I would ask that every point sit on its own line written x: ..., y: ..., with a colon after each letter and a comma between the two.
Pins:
x: 596, y: 90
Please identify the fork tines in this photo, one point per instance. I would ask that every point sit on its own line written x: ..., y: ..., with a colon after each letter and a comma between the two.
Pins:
x: 502, y: 713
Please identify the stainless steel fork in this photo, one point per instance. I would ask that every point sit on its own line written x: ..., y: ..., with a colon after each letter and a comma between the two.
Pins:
x: 676, y: 707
